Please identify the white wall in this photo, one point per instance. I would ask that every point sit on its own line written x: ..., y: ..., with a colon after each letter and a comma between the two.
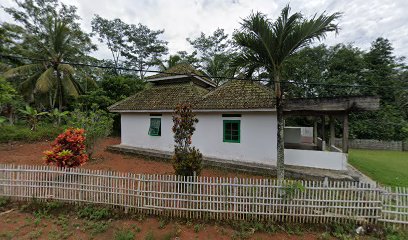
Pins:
x: 316, y: 159
x: 292, y: 135
x: 258, y: 135
x: 298, y: 134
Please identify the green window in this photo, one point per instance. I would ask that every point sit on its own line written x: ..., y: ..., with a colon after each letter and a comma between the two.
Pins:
x: 232, y: 131
x: 155, y: 127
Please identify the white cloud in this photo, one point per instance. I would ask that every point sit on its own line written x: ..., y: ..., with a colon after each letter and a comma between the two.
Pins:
x: 362, y: 22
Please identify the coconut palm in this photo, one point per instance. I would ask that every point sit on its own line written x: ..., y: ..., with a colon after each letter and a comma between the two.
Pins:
x: 51, y: 76
x: 267, y: 45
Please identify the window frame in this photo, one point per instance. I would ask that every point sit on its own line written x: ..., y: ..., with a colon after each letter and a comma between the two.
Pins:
x: 224, y: 131
x: 150, y: 127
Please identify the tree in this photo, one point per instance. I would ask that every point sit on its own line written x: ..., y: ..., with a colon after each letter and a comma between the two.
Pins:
x: 215, y: 53
x: 143, y: 47
x: 187, y: 161
x: 113, y: 33
x: 309, y: 65
x: 52, y: 33
x: 267, y: 45
x: 10, y: 34
x: 172, y: 61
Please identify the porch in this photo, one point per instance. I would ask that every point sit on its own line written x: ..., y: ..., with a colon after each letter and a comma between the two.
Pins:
x: 315, y: 146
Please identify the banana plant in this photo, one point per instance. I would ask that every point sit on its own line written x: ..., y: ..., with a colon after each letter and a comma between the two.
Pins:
x: 32, y: 116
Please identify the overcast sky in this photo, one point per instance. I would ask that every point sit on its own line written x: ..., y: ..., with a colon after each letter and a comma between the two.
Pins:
x: 362, y: 22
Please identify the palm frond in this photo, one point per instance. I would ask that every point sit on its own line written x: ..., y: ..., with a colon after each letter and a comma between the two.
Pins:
x: 69, y: 86
x: 66, y: 69
x: 25, y: 69
x: 46, y: 81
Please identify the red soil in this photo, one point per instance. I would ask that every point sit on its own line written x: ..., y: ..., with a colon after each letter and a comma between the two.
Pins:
x: 32, y: 154
x: 20, y: 226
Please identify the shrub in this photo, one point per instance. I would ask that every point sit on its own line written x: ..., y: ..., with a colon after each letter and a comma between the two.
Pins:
x: 10, y: 133
x: 97, y: 124
x: 187, y: 160
x: 124, y: 234
x: 68, y: 149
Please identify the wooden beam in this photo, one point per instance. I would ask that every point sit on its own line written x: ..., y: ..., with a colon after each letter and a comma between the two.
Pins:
x: 345, y: 133
x: 333, y: 104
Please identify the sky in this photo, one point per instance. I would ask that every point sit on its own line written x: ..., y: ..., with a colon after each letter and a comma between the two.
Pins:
x: 361, y: 23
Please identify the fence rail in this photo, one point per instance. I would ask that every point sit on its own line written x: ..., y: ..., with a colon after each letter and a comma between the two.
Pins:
x: 210, y: 197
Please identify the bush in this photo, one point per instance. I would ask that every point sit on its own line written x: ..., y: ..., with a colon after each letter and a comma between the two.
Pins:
x: 187, y: 160
x: 68, y: 150
x: 97, y: 124
x: 10, y: 133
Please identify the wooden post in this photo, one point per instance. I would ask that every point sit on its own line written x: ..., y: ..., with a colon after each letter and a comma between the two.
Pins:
x: 315, y: 131
x: 323, y: 132
x: 323, y: 128
x: 345, y: 133
x: 332, y: 133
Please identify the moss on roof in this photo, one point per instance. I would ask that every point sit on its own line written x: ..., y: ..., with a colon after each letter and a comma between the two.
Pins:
x: 235, y: 94
x: 238, y: 94
x: 161, y: 97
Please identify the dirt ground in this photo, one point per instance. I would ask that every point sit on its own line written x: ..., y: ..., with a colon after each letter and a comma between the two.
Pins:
x: 32, y: 154
x: 18, y: 224
x: 21, y: 225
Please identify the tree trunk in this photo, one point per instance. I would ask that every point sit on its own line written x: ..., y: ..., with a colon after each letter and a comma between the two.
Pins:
x: 59, y: 89
x: 280, y: 163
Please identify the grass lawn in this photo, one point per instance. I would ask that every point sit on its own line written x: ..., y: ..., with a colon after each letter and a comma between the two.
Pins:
x: 387, y: 167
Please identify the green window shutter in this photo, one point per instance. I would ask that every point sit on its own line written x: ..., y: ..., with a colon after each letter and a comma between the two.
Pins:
x: 232, y: 131
x: 155, y: 127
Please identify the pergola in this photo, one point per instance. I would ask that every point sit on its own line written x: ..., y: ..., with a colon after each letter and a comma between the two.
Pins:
x: 333, y: 107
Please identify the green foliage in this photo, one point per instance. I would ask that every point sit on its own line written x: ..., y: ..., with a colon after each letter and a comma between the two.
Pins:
x: 32, y: 116
x: 291, y: 188
x: 57, y: 116
x: 124, y: 234
x: 119, y: 87
x: 90, y: 212
x: 149, y: 236
x: 215, y: 53
x: 23, y: 133
x: 7, y: 93
x: 4, y: 201
x: 56, y: 39
x: 187, y: 160
x: 97, y: 124
x: 139, y: 45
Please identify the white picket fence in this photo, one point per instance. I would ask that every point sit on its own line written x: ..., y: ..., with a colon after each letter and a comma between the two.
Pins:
x: 209, y: 197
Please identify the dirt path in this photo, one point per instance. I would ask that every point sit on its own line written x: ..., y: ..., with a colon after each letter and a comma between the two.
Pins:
x: 32, y: 154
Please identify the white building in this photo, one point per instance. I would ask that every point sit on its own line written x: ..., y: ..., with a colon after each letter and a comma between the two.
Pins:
x: 237, y: 121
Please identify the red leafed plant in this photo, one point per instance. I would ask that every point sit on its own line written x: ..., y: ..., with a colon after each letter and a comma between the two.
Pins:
x: 68, y: 149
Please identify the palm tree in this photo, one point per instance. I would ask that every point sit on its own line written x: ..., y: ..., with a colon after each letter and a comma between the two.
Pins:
x: 267, y: 45
x: 50, y: 76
